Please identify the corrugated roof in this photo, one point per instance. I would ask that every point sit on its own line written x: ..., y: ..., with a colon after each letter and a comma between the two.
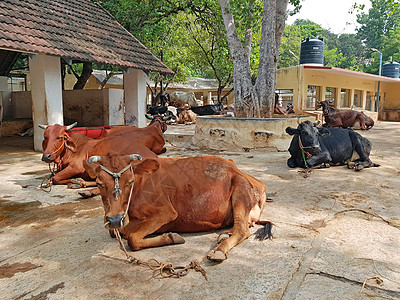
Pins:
x: 74, y: 29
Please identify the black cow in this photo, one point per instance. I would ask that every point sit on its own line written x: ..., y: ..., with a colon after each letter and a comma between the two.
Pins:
x: 207, y: 110
x: 157, y: 110
x: 312, y: 146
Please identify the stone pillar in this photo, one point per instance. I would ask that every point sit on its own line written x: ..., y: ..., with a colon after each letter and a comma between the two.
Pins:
x: 47, y: 106
x: 135, y: 97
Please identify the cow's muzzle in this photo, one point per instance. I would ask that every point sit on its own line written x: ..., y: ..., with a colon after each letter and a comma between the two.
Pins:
x: 46, y: 158
x: 115, y: 221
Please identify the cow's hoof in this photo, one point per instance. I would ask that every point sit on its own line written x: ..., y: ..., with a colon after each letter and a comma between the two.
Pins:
x: 73, y: 185
x: 217, y: 255
x: 78, y: 181
x: 176, y: 238
x: 222, y: 237
x: 163, y: 150
x: 86, y: 194
x: 351, y: 165
x: 359, y: 167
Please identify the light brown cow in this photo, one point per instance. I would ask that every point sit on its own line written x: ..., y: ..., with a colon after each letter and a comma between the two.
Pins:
x: 187, y: 116
x: 181, y: 195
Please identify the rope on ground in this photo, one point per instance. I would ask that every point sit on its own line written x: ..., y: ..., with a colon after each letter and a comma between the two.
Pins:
x: 166, y: 269
x: 376, y: 278
x: 368, y: 213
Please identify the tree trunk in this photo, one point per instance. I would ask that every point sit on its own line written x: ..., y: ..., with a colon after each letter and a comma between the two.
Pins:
x: 256, y: 100
x: 86, y: 72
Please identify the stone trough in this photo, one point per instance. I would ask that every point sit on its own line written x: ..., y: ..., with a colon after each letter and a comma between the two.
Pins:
x: 245, y: 134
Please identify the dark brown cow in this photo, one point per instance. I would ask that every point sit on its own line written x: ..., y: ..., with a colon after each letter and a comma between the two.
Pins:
x: 344, y: 118
x: 182, y: 195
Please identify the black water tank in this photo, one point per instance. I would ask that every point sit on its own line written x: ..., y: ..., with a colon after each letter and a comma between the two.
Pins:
x: 391, y: 69
x: 312, y: 51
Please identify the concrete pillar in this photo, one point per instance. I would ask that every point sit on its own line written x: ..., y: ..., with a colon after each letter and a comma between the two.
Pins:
x: 135, y: 97
x: 113, y: 107
x: 47, y: 107
x: 351, y: 98
x: 323, y: 93
x: 364, y: 99
x: 337, y: 97
x: 5, y: 100
x: 205, y: 98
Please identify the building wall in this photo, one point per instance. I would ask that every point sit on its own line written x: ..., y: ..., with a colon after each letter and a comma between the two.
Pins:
x: 299, y: 78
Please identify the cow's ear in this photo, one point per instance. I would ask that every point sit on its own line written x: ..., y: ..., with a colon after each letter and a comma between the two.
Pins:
x: 91, y: 168
x: 322, y: 131
x: 292, y: 131
x: 148, y: 166
x: 69, y: 143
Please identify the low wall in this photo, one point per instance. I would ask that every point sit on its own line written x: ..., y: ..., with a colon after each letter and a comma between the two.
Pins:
x: 390, y: 115
x: 245, y: 134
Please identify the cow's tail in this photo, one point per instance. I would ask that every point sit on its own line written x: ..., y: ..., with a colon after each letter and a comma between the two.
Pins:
x: 265, y: 232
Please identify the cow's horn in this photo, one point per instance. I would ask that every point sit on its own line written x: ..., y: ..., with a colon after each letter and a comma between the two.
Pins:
x: 71, y: 126
x: 149, y: 117
x: 93, y: 159
x: 135, y: 157
x: 43, y: 126
x: 319, y: 102
x: 166, y: 118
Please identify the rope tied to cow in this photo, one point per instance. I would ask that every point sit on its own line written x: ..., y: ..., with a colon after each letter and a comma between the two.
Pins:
x: 47, y: 182
x: 117, y: 190
x: 167, y: 270
x: 304, y: 152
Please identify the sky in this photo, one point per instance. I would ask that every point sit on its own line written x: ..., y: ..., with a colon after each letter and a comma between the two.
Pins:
x: 330, y: 14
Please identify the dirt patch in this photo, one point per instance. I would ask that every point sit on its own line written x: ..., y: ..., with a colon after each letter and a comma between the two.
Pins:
x: 7, y: 271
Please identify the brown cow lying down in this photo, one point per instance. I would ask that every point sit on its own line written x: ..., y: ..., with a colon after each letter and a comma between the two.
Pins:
x: 182, y: 195
x: 187, y: 116
x: 69, y: 151
x: 344, y: 118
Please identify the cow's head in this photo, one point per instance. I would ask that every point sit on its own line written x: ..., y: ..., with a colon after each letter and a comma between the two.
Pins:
x: 326, y: 106
x: 115, y: 177
x: 55, y: 141
x: 160, y: 119
x: 307, y: 134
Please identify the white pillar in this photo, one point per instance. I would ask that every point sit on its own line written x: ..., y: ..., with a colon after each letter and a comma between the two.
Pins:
x: 135, y: 97
x: 47, y: 107
x: 210, y: 98
x: 113, y: 106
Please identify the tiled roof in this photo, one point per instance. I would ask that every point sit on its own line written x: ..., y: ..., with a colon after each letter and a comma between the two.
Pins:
x: 74, y: 29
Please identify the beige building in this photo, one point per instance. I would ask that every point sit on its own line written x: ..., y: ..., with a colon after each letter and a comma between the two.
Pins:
x: 303, y: 85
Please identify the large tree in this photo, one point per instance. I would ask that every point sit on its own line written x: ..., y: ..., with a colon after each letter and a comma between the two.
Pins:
x: 255, y: 98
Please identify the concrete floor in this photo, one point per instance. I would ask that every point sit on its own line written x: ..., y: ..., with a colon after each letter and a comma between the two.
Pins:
x: 336, y: 235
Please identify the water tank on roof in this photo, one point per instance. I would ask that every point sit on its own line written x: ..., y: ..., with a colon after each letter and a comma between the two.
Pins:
x: 391, y: 69
x: 312, y: 51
